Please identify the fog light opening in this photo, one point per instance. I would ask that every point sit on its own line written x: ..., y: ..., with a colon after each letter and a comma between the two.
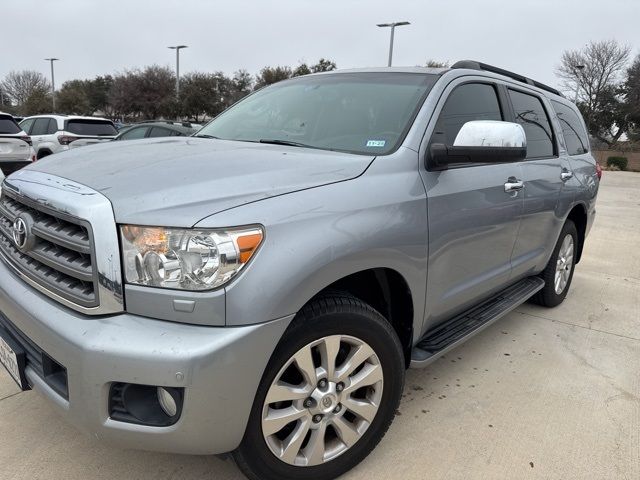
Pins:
x: 150, y: 405
x: 167, y: 402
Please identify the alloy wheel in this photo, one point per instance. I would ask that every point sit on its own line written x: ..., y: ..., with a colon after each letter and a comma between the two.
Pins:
x: 322, y: 400
x: 564, y: 264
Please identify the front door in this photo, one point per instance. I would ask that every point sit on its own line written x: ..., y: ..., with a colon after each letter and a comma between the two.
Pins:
x: 473, y: 221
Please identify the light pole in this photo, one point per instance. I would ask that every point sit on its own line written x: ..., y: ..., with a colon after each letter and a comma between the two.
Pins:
x: 177, y: 48
x: 393, y: 29
x: 579, y: 69
x: 53, y: 83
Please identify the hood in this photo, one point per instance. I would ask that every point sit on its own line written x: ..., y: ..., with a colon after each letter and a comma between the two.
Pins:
x: 179, y: 181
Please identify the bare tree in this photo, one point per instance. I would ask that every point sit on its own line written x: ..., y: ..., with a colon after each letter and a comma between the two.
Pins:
x: 19, y: 86
x: 594, y: 73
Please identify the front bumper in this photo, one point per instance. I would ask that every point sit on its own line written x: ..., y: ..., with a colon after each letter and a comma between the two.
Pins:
x: 220, y: 369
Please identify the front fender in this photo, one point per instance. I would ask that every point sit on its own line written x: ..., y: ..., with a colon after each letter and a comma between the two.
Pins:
x: 317, y: 236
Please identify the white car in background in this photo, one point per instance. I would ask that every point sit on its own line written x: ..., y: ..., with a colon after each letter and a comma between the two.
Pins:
x: 15, y: 145
x: 57, y: 133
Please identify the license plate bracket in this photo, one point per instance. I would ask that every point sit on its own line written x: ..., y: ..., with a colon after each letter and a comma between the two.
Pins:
x: 13, y: 359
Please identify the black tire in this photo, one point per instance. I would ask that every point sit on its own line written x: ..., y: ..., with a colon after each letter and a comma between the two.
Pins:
x: 42, y: 154
x: 333, y: 314
x: 548, y: 297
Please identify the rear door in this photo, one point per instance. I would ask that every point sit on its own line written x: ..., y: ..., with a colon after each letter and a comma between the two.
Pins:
x: 544, y: 172
x: 473, y: 222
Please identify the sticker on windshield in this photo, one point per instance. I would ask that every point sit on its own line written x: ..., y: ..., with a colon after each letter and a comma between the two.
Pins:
x: 376, y: 143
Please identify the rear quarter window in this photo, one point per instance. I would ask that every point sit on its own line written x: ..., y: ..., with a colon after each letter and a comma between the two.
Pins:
x: 575, y: 136
x: 91, y: 127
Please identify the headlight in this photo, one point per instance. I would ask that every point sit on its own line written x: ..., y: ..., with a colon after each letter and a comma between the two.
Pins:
x: 186, y: 259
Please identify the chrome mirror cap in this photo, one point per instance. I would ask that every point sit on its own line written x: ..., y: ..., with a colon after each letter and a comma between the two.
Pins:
x: 491, y: 133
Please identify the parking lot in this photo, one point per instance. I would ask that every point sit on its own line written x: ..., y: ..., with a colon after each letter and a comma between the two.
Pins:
x: 548, y: 394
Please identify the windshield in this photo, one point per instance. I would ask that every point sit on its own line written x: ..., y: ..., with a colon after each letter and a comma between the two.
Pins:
x: 91, y: 127
x: 364, y: 113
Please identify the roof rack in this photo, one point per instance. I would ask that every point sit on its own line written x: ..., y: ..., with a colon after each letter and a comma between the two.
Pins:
x: 473, y: 65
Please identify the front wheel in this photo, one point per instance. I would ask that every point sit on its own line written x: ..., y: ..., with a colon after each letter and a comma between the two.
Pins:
x: 328, y: 395
x: 559, y: 271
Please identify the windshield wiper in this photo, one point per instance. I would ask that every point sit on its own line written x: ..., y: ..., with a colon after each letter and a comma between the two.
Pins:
x: 207, y: 136
x: 285, y: 142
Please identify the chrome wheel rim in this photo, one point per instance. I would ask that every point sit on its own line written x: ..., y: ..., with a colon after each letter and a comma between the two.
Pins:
x: 322, y: 401
x: 564, y: 264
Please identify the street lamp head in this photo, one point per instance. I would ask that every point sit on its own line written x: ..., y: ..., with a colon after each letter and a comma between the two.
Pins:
x: 51, y: 59
x: 178, y: 47
x: 393, y: 24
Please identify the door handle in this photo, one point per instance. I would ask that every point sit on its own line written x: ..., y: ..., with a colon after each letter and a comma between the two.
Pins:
x: 566, y: 175
x: 513, y: 185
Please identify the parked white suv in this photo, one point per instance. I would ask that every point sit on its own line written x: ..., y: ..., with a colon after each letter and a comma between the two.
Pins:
x: 56, y: 133
x: 15, y: 145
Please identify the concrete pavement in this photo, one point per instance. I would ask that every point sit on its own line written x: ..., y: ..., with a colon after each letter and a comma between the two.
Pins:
x: 541, y: 394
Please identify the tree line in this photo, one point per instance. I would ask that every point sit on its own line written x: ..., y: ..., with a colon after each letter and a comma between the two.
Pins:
x: 143, y: 94
x: 602, y: 76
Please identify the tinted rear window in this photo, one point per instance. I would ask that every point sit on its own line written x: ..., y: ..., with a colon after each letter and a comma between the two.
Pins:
x: 573, y: 131
x: 8, y: 126
x: 530, y: 113
x: 91, y: 127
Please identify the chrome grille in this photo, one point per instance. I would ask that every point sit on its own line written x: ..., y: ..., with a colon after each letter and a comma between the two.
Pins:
x: 59, y: 257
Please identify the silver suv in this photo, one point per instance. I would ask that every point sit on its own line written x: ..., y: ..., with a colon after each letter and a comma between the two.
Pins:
x: 261, y: 288
x: 57, y: 133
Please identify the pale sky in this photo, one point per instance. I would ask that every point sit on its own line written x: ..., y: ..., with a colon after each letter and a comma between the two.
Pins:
x: 93, y: 37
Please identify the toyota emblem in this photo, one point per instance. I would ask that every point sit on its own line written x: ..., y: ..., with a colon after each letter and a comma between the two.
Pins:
x: 20, y: 233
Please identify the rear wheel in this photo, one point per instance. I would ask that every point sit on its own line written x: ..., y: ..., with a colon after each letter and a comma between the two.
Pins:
x: 559, y: 271
x: 328, y: 395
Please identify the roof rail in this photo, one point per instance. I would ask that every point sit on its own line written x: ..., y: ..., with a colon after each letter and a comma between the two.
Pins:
x: 473, y: 65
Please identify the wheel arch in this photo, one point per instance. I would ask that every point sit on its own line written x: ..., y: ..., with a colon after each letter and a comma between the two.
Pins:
x: 386, y: 290
x: 43, y: 152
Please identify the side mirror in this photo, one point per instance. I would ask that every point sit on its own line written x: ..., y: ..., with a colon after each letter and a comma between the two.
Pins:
x: 483, y: 141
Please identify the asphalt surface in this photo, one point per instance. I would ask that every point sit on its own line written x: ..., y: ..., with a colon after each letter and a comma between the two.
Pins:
x: 541, y: 394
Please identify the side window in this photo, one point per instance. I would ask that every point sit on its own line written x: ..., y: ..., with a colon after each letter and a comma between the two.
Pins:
x: 40, y: 126
x: 26, y: 125
x: 160, y: 132
x: 530, y: 113
x: 53, y: 126
x: 176, y: 133
x: 573, y: 130
x: 471, y: 101
x: 134, y: 133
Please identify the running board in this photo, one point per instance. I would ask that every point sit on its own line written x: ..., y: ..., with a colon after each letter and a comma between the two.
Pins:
x: 450, y: 334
